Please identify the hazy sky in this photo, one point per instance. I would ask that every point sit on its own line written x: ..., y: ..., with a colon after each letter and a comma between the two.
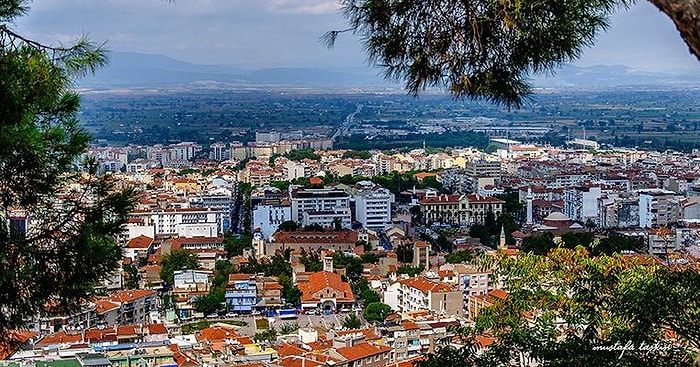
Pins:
x: 284, y: 33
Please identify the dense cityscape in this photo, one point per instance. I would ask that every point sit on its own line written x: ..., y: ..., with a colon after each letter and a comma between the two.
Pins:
x: 460, y: 183
x: 286, y: 251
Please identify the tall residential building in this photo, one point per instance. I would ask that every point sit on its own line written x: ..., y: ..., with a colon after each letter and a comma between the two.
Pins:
x: 421, y: 255
x: 581, y: 203
x: 219, y: 152
x: 318, y: 206
x: 657, y: 208
x: 373, y: 208
x: 267, y: 218
x: 241, y: 292
x: 481, y: 168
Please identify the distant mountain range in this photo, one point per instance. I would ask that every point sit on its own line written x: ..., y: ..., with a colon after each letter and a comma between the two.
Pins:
x: 134, y: 70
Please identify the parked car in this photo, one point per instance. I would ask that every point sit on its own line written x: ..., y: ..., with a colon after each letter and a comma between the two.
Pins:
x: 213, y: 316
x: 232, y: 314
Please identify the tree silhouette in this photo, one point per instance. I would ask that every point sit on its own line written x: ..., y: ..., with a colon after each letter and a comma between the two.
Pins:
x: 57, y: 225
x: 488, y: 49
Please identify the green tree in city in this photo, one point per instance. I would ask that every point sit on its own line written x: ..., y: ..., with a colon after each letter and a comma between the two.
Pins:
x: 207, y: 304
x: 234, y: 245
x: 288, y: 226
x: 376, y: 311
x: 568, y: 308
x: 352, y: 322
x: 131, y: 276
x: 488, y: 49
x: 290, y: 292
x: 370, y: 296
x: 409, y: 270
x: 69, y: 248
x: 176, y: 260
x: 459, y: 257
x: 311, y: 262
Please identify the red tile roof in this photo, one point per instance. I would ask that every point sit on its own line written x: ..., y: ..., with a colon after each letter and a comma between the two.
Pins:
x: 344, y: 236
x: 12, y: 340
x: 322, y: 280
x: 215, y: 333
x: 362, y: 350
x: 424, y: 285
x: 140, y: 242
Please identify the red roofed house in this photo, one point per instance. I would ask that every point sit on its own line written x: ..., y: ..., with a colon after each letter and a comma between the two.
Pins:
x: 419, y: 293
x: 325, y: 290
x: 476, y: 303
x: 361, y: 354
x: 138, y: 247
x: 311, y: 241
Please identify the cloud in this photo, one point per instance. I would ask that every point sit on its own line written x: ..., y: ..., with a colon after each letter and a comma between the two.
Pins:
x: 313, y: 7
x: 284, y: 33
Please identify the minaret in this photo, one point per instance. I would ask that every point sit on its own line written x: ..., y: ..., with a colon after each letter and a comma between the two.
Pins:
x: 502, y: 241
x: 328, y: 264
x: 528, y: 198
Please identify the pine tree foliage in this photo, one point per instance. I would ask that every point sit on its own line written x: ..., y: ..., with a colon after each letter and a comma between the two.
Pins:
x: 68, y: 245
x: 487, y: 49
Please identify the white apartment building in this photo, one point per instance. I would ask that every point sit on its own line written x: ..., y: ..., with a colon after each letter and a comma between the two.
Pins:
x: 373, y: 208
x: 328, y: 218
x: 421, y: 294
x: 294, y: 170
x: 581, y: 203
x: 219, y: 152
x: 318, y: 201
x: 267, y: 218
x: 172, y: 221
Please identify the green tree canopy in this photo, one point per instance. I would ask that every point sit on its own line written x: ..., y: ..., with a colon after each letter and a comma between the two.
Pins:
x: 68, y: 246
x: 488, y: 49
x: 570, y: 309
x: 206, y: 304
x: 376, y: 311
x: 352, y: 321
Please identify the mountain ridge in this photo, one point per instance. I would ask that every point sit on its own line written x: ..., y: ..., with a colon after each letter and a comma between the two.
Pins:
x: 139, y: 70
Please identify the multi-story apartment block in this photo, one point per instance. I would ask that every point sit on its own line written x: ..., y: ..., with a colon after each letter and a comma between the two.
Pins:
x: 483, y: 168
x: 294, y: 170
x: 581, y: 203
x: 657, y: 208
x: 319, y: 203
x: 421, y: 255
x: 219, y: 152
x: 460, y: 209
x: 267, y: 218
x: 176, y: 221
x: 188, y: 284
x: 134, y: 305
x: 328, y: 218
x: 409, y: 339
x: 421, y: 294
x: 241, y: 292
x: 373, y: 208
x: 220, y: 200
x: 618, y: 212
